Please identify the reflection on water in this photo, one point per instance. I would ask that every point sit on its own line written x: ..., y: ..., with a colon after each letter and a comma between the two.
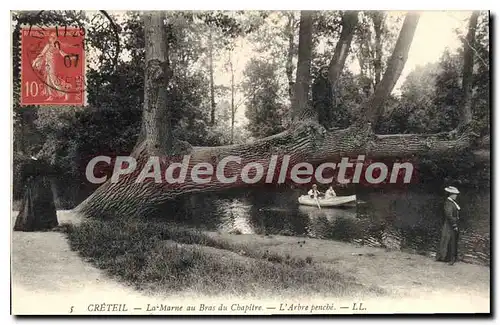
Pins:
x: 402, y: 220
x: 234, y: 216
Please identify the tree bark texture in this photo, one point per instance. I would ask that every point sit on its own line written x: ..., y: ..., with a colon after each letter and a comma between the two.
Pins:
x: 469, y: 43
x: 289, y: 54
x: 374, y: 107
x: 156, y: 118
x: 307, y: 141
x: 349, y: 23
x: 303, y: 78
x: 212, y: 86
x: 378, y: 18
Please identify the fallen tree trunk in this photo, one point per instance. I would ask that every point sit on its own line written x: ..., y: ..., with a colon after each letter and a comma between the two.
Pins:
x: 306, y: 142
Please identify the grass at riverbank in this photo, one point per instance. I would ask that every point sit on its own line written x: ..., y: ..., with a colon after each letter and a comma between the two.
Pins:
x: 160, y: 257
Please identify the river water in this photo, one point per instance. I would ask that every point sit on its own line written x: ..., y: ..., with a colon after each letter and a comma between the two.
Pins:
x: 398, y: 219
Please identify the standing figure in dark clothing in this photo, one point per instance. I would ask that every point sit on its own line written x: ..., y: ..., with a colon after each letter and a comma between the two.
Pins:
x: 322, y: 94
x: 38, y: 211
x: 448, y: 246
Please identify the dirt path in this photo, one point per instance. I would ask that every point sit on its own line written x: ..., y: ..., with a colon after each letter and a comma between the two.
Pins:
x: 47, y: 277
x: 396, y: 271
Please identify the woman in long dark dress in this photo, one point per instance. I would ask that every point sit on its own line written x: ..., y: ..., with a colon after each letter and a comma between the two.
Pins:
x: 38, y: 211
x: 448, y: 245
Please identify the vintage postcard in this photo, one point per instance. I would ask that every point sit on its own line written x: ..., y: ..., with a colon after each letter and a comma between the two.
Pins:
x: 250, y: 162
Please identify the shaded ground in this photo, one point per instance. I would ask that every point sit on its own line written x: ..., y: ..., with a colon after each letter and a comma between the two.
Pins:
x: 399, y: 273
x: 47, y: 277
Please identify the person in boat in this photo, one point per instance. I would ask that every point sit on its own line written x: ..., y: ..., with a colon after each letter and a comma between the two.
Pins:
x: 314, y: 193
x: 448, y: 245
x: 38, y: 211
x: 330, y: 192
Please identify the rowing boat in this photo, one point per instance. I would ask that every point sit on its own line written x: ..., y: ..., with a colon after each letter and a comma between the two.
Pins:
x: 327, y: 202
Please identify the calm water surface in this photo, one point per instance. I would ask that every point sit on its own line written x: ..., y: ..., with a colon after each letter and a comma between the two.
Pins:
x: 408, y: 220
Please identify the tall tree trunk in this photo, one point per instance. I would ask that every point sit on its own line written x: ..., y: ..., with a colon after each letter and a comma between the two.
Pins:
x: 55, y: 193
x: 20, y: 143
x: 469, y: 44
x: 212, y: 86
x: 233, y: 109
x: 374, y: 106
x: 156, y: 116
x: 363, y: 39
x: 300, y: 96
x: 378, y: 18
x: 290, y: 29
x: 122, y: 198
x: 349, y: 23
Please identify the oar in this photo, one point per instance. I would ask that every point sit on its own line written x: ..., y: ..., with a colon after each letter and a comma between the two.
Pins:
x: 317, y: 201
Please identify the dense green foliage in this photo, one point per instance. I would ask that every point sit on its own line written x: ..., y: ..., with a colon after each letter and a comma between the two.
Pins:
x: 265, y: 111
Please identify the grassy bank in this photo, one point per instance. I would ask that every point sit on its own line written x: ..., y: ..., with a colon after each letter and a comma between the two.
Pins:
x: 160, y: 257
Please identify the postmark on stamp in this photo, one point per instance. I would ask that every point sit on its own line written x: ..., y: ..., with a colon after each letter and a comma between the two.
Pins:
x: 53, y: 66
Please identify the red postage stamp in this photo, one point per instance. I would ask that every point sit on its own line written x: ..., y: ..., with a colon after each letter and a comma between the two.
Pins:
x: 53, y: 66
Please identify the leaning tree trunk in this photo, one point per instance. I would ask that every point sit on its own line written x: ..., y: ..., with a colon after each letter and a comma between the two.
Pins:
x: 300, y: 96
x: 469, y: 43
x: 349, y: 22
x: 307, y: 141
x: 374, y: 107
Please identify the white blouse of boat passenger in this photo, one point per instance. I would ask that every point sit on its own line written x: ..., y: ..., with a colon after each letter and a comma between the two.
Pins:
x: 312, y: 192
x: 330, y: 193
